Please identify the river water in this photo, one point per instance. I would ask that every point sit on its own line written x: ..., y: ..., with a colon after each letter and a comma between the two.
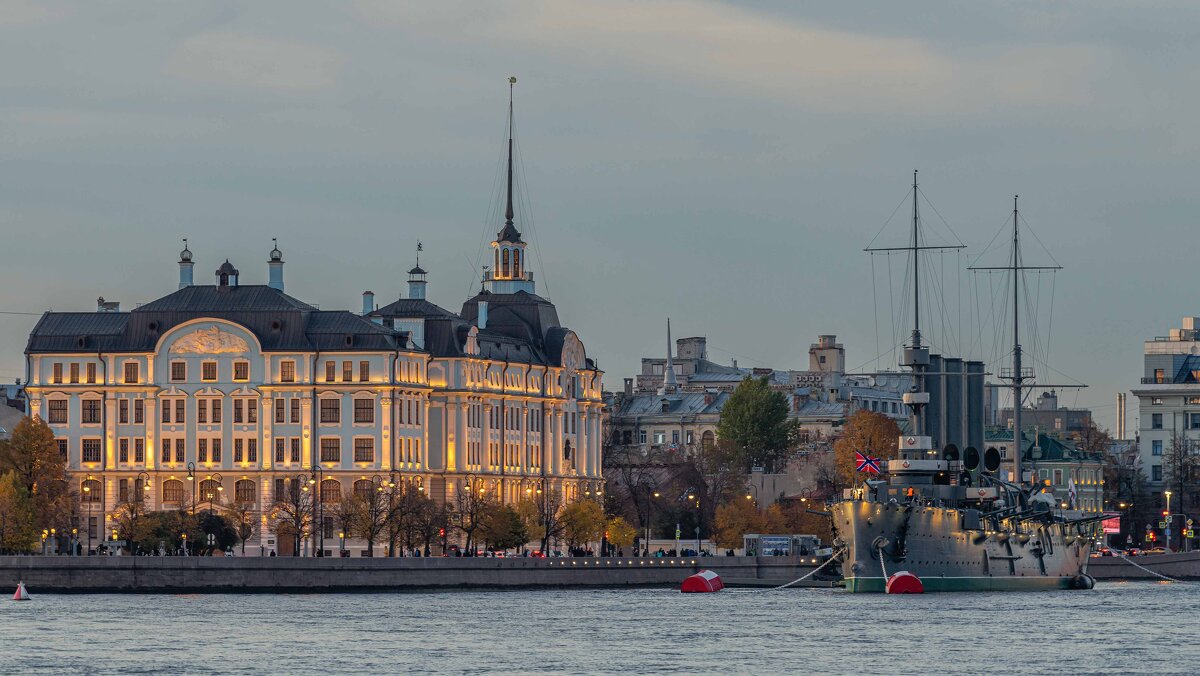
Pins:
x: 1116, y: 628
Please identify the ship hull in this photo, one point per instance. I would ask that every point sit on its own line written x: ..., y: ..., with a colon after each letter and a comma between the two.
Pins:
x: 931, y: 543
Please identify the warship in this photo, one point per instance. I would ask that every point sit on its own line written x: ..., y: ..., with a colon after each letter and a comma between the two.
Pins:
x: 945, y: 514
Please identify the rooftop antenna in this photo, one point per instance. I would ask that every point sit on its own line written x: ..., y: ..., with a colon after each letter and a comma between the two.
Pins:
x: 508, y: 211
x: 419, y: 250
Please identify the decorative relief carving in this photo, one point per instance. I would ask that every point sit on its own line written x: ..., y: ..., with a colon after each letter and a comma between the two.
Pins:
x: 211, y: 340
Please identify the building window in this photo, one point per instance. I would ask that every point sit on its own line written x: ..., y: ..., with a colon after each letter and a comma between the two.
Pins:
x: 1193, y: 400
x: 287, y: 371
x: 331, y: 490
x: 62, y: 448
x: 243, y: 491
x: 238, y: 445
x: 179, y: 451
x: 91, y: 411
x: 252, y: 450
x: 1156, y: 401
x: 91, y: 490
x: 74, y: 373
x: 178, y: 371
x: 295, y: 457
x: 131, y: 371
x: 241, y: 370
x: 214, y: 410
x: 1156, y: 447
x: 1156, y: 473
x: 1195, y: 422
x: 364, y: 410
x: 172, y: 491
x: 252, y: 411
x: 210, y: 491
x: 216, y: 450
x: 91, y: 450
x: 208, y: 371
x: 57, y: 377
x: 179, y: 414
x: 139, y: 450
x: 1156, y: 420
x: 331, y: 411
x: 91, y: 373
x: 279, y: 412
x: 166, y: 411
x: 363, y: 489
x: 280, y: 445
x: 202, y: 450
x: 123, y: 411
x: 123, y: 491
x: 331, y: 449
x: 347, y: 371
x: 330, y: 371
x: 164, y: 450
x: 364, y: 371
x: 1160, y: 376
x: 237, y: 411
x: 139, y: 411
x: 642, y: 437
x: 57, y: 411
x: 364, y: 450
x: 201, y: 411
x: 294, y: 414
x: 123, y: 450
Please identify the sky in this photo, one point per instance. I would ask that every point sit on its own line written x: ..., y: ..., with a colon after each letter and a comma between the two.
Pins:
x: 722, y: 164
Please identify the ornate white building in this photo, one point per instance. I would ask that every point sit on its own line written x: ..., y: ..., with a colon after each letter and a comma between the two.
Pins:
x: 232, y: 390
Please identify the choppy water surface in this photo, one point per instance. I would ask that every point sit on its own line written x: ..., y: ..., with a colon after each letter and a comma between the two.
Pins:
x: 1116, y: 628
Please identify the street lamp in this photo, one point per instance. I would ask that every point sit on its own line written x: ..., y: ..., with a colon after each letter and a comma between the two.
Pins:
x: 317, y: 480
x: 341, y: 543
x: 301, y: 480
x: 191, y: 476
x: 87, y: 492
x: 209, y: 494
x: 1168, y: 515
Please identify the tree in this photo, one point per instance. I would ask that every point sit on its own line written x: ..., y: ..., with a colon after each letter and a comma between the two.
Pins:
x: 129, y: 518
x: 583, y: 522
x: 370, y: 513
x: 734, y: 519
x: 620, y: 533
x: 430, y: 519
x: 293, y: 511
x: 18, y: 534
x: 342, y: 516
x: 754, y: 420
x: 503, y: 528
x: 32, y: 453
x: 242, y: 515
x: 1092, y: 439
x: 872, y: 433
x: 471, y: 507
x: 549, y: 506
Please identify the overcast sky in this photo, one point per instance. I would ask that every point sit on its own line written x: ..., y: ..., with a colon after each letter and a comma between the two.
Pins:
x: 719, y: 163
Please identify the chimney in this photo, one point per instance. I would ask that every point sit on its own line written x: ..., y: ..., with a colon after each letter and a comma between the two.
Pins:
x: 629, y: 387
x: 481, y: 317
x: 185, y: 266
x: 1121, y: 415
x: 275, y: 267
x: 368, y: 305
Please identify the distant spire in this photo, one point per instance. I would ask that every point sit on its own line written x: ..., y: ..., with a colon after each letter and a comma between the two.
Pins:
x: 670, y: 384
x: 509, y: 233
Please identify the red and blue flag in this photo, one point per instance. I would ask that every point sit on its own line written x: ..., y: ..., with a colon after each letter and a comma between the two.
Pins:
x: 866, y: 463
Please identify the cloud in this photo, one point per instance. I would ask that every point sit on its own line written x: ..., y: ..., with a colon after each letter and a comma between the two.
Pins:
x: 720, y: 46
x: 238, y: 60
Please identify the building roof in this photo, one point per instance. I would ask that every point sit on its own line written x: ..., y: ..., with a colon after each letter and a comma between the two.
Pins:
x: 681, y: 403
x: 1052, y: 449
x: 278, y: 321
x: 412, y: 308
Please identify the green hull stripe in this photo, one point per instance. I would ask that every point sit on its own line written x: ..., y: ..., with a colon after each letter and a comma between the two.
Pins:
x: 950, y: 584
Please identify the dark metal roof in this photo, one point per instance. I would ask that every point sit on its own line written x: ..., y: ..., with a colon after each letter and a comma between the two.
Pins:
x: 412, y: 308
x: 278, y: 321
x: 509, y: 233
x: 417, y: 271
x: 227, y: 268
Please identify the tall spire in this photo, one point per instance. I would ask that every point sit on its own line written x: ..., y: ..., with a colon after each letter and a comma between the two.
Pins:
x: 509, y: 233
x: 670, y: 384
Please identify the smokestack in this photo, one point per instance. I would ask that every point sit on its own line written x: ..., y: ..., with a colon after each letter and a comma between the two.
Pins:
x: 368, y: 305
x: 1120, y: 415
x: 481, y: 318
x: 629, y: 387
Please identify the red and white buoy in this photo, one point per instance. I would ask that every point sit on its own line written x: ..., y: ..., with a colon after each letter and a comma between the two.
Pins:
x: 905, y: 582
x: 21, y: 594
x: 704, y: 581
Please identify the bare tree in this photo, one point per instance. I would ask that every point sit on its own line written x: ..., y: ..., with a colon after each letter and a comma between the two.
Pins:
x: 370, y: 514
x: 243, y: 516
x: 293, y: 509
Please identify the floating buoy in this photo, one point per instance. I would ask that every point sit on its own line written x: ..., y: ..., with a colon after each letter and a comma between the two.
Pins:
x: 21, y: 594
x: 905, y: 582
x: 1082, y: 581
x: 704, y: 581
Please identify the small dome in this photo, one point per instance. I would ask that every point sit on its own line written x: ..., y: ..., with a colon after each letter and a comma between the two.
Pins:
x: 276, y: 254
x: 416, y: 271
x: 186, y: 254
x: 227, y: 268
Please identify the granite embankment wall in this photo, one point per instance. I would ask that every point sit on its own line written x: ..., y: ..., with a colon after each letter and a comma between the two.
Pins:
x: 1183, y: 566
x: 270, y: 574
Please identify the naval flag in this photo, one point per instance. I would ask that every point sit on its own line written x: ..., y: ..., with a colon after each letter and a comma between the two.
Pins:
x: 865, y: 463
x: 1072, y: 495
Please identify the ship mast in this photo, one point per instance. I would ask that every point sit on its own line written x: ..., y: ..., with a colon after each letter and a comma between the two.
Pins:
x: 1017, y: 377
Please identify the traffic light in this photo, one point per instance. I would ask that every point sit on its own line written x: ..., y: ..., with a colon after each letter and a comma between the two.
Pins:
x: 441, y: 532
x: 1166, y: 513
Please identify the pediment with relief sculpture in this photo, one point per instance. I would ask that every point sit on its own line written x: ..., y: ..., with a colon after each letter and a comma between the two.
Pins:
x: 211, y: 340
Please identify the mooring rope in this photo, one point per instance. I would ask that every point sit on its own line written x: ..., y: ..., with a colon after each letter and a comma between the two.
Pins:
x: 882, y: 565
x: 1135, y: 565
x: 799, y: 579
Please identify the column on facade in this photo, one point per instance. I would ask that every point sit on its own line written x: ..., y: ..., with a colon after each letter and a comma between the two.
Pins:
x: 266, y: 418
x: 386, y: 444
x: 150, y: 420
x: 485, y: 432
x: 306, y: 435
x: 460, y: 424
x: 110, y: 433
x: 556, y: 451
x: 523, y: 453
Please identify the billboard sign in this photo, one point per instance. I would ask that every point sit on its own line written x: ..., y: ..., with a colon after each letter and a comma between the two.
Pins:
x: 1111, y: 523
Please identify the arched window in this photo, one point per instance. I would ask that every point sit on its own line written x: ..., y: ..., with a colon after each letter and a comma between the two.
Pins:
x: 172, y: 491
x: 244, y: 491
x: 707, y: 439
x: 91, y: 491
x: 504, y: 264
x: 516, y: 262
x: 363, y: 489
x: 210, y: 491
x: 331, y: 490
